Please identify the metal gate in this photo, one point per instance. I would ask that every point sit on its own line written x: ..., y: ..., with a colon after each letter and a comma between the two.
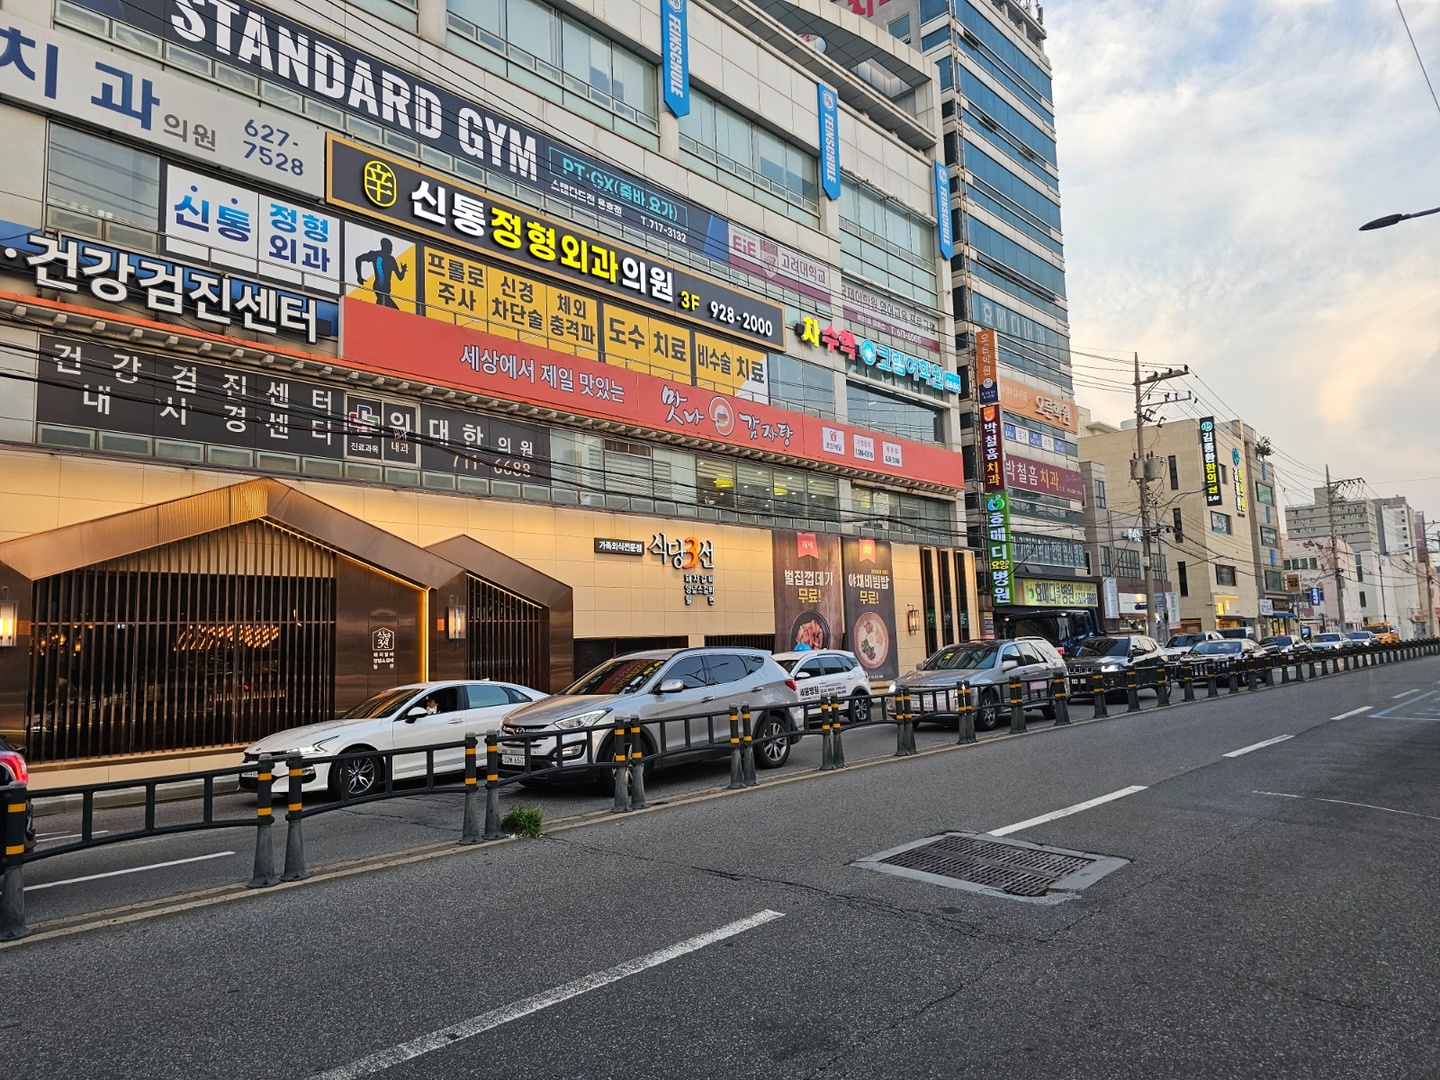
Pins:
x: 508, y: 637
x: 209, y: 641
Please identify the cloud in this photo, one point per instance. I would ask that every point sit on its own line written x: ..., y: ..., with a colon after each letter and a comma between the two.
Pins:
x: 1216, y: 159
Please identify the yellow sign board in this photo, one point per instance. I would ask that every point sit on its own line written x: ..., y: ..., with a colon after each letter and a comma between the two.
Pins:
x: 1050, y: 592
x: 640, y: 343
x: 729, y: 368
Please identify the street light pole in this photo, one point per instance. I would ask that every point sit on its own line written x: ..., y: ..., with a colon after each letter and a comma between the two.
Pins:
x: 1395, y: 219
x: 1141, y: 473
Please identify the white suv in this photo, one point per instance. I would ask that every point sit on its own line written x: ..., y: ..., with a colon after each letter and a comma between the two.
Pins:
x: 825, y: 673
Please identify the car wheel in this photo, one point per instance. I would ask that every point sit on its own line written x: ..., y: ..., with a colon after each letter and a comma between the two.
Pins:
x: 1048, y: 712
x: 987, y: 713
x: 772, y: 745
x: 860, y: 708
x: 605, y: 778
x: 363, y: 775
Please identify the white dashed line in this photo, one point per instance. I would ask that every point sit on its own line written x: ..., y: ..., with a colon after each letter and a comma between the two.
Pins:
x: 1353, y: 712
x: 1404, y: 693
x: 1257, y: 746
x: 1006, y: 830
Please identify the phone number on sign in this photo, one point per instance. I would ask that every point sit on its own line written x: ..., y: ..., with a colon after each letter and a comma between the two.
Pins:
x: 263, y: 145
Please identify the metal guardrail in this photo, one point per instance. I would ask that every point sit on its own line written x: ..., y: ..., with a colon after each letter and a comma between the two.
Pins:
x: 627, y: 746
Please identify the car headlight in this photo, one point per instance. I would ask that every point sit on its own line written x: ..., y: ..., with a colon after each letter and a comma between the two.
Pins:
x: 582, y: 720
x: 1110, y: 667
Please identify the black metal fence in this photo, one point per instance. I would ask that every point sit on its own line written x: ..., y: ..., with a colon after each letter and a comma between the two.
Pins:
x: 625, y: 751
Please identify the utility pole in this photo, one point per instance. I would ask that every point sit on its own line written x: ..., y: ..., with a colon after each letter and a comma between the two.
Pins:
x: 1334, y: 543
x: 1140, y: 470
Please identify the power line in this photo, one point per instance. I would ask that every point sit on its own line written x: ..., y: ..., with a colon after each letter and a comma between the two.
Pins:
x: 1418, y: 59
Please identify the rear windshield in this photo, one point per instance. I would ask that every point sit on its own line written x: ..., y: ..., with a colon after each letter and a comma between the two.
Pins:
x: 1184, y: 639
x: 1217, y: 648
x: 962, y: 657
x: 1330, y: 637
x: 618, y: 676
x: 1103, y: 646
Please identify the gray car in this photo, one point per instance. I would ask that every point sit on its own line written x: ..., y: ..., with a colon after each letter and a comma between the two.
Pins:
x: 987, y: 667
x: 682, y: 697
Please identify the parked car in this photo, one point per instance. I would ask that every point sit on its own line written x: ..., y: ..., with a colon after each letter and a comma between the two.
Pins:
x: 417, y: 714
x: 1363, y: 638
x: 13, y: 770
x: 1230, y: 649
x: 1180, y: 644
x: 826, y: 673
x: 1115, y: 657
x: 987, y: 667
x: 1385, y: 633
x: 691, y: 691
x: 1286, y: 645
x: 1245, y: 632
x: 1327, y: 641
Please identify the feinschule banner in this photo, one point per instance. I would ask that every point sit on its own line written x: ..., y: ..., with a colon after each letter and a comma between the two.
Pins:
x: 808, y: 594
x: 829, y: 108
x: 870, y: 604
x: 675, y: 55
x: 943, y: 224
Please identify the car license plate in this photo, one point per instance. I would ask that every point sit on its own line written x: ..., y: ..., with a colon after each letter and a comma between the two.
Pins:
x: 1039, y: 686
x: 517, y: 760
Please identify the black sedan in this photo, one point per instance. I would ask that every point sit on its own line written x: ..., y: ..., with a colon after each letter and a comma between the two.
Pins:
x: 1287, y: 646
x: 1115, y: 657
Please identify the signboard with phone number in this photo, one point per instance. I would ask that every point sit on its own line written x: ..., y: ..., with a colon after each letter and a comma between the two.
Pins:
x: 418, y: 200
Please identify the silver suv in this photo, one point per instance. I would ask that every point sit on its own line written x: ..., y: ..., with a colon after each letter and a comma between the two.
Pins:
x: 987, y: 666
x: 683, y: 698
x: 826, y: 673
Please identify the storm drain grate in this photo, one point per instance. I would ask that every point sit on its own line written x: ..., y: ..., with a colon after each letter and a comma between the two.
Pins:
x: 998, y: 867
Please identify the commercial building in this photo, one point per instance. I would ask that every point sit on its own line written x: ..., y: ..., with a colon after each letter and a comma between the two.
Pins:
x: 1114, y: 553
x: 345, y: 345
x: 1216, y: 519
x: 1310, y: 576
x: 1009, y: 301
x: 1390, y: 566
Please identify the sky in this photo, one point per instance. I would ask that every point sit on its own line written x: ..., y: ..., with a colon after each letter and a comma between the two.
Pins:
x: 1216, y: 160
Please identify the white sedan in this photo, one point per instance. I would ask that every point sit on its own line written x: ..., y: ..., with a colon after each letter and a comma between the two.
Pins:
x: 416, y: 715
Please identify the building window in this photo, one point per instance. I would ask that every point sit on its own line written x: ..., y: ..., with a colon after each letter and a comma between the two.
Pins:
x: 1224, y: 575
x: 880, y: 412
x: 1362, y: 598
x: 1359, y: 569
x: 101, y: 189
x: 536, y: 36
x: 903, y: 515
x: 1184, y: 578
x: 798, y: 385
x: 1274, y: 581
x: 886, y: 243
x: 900, y: 27
x: 1264, y: 493
x: 1219, y: 522
x: 1099, y: 486
x: 1179, y: 523
x: 1127, y: 563
x: 750, y: 159
x: 1224, y: 476
x: 1269, y: 537
x: 1174, y: 474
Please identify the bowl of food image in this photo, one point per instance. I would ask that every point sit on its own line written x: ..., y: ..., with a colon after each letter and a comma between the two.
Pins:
x: 811, y: 629
x: 872, y: 639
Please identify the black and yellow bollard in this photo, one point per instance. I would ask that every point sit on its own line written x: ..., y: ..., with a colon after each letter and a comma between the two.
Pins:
x: 1211, y: 689
x: 1187, y: 681
x: 1232, y: 669
x: 294, y: 838
x: 737, y: 768
x: 837, y: 752
x: 492, y: 787
x: 12, y: 887
x: 265, y: 875
x: 1017, y: 706
x: 827, y: 749
x: 902, y: 705
x: 637, y: 766
x: 1060, y: 698
x: 747, y: 746
x: 1132, y: 690
x: 1253, y: 670
x: 965, y: 708
x: 621, y: 737
x: 470, y: 818
x: 1098, y: 690
x: 1162, y: 684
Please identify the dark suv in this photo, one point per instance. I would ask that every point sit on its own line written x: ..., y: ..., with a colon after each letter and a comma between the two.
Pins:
x: 681, y: 695
x: 1115, y: 657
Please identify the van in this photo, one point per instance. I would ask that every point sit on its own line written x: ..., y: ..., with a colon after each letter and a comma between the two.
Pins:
x: 1246, y: 632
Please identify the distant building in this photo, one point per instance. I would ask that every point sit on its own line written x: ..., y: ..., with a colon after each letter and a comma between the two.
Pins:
x: 1310, y: 568
x: 1113, y: 554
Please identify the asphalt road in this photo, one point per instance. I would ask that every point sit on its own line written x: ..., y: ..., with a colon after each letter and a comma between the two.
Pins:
x: 1273, y: 919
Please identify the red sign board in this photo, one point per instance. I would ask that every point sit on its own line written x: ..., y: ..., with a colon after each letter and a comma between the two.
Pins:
x: 1048, y: 479
x: 394, y: 342
x: 992, y: 448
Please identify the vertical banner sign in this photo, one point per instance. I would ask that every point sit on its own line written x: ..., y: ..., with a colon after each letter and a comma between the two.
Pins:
x: 987, y: 378
x: 870, y: 604
x: 943, y: 222
x: 829, y: 141
x: 808, y: 597
x: 675, y: 55
x: 997, y: 533
x: 992, y: 448
x: 1239, y: 481
x: 1210, y: 461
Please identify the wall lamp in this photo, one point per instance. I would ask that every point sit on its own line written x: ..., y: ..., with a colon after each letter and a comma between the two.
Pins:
x: 9, y: 619
x: 455, y: 622
x: 912, y: 620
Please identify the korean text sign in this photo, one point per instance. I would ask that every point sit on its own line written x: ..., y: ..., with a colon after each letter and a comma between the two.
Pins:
x: 1210, y: 462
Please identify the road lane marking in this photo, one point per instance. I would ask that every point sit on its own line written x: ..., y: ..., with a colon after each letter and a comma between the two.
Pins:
x: 1353, y: 712
x: 1404, y: 693
x: 1006, y: 830
x: 130, y: 870
x: 50, y: 838
x: 476, y: 1025
x: 1257, y: 746
x: 1343, y: 802
x: 1409, y: 703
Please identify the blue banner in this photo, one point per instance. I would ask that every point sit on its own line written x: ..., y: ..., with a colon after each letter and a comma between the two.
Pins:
x: 829, y: 141
x: 675, y: 55
x: 943, y: 222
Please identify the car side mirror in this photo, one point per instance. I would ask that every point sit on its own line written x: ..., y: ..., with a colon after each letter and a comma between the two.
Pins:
x: 1007, y: 665
x: 670, y: 686
x: 415, y: 713
x: 804, y: 674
